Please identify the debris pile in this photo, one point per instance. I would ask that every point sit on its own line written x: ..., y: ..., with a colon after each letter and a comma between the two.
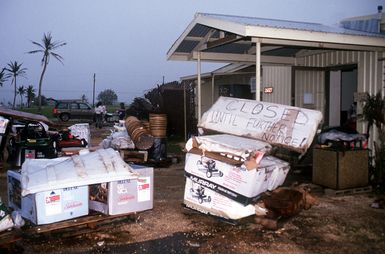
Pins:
x: 54, y: 177
x: 228, y: 173
x: 140, y: 140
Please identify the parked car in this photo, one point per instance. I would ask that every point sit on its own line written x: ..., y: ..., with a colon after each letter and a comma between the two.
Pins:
x: 66, y: 110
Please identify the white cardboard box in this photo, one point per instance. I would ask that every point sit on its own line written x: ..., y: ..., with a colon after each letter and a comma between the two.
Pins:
x: 124, y: 196
x: 203, y: 199
x: 234, y: 182
x: 47, y: 206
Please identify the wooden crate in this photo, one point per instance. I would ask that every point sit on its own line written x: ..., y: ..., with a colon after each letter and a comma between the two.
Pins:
x: 340, y: 169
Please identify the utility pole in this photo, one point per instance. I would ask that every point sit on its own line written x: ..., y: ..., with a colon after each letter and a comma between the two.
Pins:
x: 93, y: 93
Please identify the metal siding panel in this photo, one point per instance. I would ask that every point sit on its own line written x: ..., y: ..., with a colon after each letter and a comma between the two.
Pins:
x: 309, y: 81
x: 370, y: 76
x: 277, y: 77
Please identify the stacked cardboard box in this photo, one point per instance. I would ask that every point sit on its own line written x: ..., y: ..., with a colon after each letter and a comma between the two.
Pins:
x: 226, y: 173
x: 48, y: 191
x: 124, y: 196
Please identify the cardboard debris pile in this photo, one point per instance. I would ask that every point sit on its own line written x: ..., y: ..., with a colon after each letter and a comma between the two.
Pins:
x: 226, y: 173
x: 51, y: 190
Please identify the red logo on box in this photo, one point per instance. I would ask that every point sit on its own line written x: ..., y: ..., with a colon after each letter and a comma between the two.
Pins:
x: 52, y: 199
x: 143, y: 186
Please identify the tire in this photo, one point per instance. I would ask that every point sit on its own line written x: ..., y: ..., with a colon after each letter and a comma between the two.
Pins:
x: 200, y: 200
x: 209, y: 199
x: 220, y: 173
x: 83, y: 142
x: 65, y: 117
x: 54, y: 145
x: 209, y: 174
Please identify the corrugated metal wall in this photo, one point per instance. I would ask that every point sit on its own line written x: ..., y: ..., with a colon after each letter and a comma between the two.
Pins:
x: 369, y: 68
x: 310, y: 84
x: 278, y: 77
x: 370, y: 72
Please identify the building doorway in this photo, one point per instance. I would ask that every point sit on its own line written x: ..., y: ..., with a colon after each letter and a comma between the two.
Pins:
x: 342, y: 88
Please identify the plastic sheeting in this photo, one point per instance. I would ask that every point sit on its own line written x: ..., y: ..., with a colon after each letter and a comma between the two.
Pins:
x: 118, y: 140
x: 81, y: 130
x: 103, y: 165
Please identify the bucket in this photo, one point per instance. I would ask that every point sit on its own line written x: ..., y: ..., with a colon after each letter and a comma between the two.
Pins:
x: 158, y: 125
x: 138, y: 133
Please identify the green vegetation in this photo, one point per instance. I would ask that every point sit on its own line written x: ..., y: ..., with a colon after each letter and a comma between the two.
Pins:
x: 14, y: 70
x: 45, y: 111
x: 374, y: 114
x: 107, y: 97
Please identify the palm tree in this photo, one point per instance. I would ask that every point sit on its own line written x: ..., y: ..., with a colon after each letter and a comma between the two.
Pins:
x: 46, y: 47
x: 3, y: 77
x: 30, y: 95
x: 21, y: 91
x: 15, y: 70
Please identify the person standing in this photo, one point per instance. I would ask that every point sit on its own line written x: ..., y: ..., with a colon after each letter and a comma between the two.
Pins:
x: 122, y: 111
x: 100, y: 110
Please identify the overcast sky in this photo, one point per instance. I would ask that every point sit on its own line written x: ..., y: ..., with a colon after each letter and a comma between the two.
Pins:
x: 125, y: 41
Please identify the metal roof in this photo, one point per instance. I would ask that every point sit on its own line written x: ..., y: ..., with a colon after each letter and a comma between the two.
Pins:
x: 286, y: 24
x: 232, y: 39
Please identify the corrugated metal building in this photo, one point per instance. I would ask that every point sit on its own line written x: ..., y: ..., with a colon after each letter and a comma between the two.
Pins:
x: 295, y: 63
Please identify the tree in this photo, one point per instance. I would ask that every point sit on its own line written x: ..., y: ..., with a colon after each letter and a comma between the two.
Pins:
x: 3, y: 77
x: 44, y: 101
x: 46, y: 47
x: 107, y: 97
x: 21, y: 91
x: 15, y: 70
x: 30, y: 95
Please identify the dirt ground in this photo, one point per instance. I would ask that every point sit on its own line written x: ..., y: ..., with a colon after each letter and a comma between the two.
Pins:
x: 338, y: 224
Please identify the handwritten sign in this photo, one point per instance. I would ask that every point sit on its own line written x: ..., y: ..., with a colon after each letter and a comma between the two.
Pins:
x: 290, y: 127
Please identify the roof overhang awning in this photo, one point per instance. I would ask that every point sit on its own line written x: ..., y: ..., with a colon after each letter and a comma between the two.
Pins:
x: 247, y: 40
x: 232, y: 39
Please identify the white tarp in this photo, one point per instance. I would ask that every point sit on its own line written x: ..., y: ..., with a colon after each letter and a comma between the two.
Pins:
x: 118, y: 140
x: 81, y: 131
x: 290, y: 127
x: 229, y: 144
x: 103, y: 165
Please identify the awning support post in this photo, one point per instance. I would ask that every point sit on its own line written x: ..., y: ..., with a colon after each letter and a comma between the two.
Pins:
x: 199, y: 86
x: 258, y: 71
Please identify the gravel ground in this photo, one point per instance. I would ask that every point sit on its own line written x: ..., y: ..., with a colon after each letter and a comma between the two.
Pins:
x: 338, y: 224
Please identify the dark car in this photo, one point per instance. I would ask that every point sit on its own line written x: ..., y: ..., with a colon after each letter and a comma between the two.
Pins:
x: 66, y: 110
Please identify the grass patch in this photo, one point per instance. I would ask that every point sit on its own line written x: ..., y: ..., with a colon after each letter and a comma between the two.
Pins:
x: 45, y: 111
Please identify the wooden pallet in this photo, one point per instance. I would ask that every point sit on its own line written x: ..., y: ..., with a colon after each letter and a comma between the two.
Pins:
x: 352, y: 191
x: 10, y: 237
x: 73, y: 227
